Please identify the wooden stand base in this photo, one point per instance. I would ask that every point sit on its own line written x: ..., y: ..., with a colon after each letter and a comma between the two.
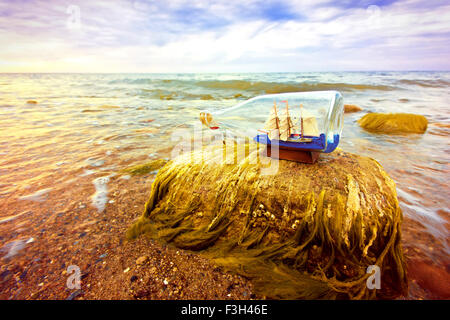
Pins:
x: 294, y: 155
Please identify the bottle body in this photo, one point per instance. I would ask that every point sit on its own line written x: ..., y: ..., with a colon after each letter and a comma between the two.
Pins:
x: 301, y: 120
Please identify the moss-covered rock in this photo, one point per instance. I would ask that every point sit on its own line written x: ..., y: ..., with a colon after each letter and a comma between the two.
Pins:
x: 297, y: 230
x: 394, y: 123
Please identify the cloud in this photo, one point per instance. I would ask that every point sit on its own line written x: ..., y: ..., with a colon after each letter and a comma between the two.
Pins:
x: 223, y: 36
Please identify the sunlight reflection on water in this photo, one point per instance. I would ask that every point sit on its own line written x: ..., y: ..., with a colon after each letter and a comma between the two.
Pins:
x: 89, y: 122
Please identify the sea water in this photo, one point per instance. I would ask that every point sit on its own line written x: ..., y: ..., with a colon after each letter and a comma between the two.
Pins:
x: 81, y: 122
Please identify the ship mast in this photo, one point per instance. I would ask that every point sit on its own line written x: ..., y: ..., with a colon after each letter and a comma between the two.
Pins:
x: 277, y: 121
x: 288, y: 118
x: 272, y: 124
x: 286, y: 124
x: 301, y: 121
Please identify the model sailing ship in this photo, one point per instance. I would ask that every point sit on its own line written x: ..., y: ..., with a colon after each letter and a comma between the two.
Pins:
x: 296, y: 141
x: 300, y: 138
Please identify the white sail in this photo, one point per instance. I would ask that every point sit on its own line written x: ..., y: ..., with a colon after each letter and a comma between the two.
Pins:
x: 272, y: 125
x: 272, y: 122
x: 286, y: 126
x: 310, y: 127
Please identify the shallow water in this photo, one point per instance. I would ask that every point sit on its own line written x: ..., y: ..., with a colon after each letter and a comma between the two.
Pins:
x: 96, y: 122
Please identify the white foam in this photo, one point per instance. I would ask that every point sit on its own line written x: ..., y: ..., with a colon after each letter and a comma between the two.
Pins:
x: 14, y: 247
x: 37, y: 196
x: 99, y: 142
x: 108, y: 168
x: 11, y: 218
x: 87, y: 173
x: 95, y: 162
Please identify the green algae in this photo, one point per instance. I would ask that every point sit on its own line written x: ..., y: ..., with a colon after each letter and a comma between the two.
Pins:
x: 394, y: 123
x: 305, y: 232
x: 145, y: 168
x: 206, y: 97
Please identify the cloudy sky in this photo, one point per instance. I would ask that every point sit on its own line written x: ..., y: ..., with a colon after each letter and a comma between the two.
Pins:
x: 223, y: 36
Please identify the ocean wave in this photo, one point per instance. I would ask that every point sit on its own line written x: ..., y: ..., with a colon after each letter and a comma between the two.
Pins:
x: 440, y: 129
x: 426, y: 83
x: 131, y: 81
x: 176, y: 95
x: 276, y: 87
x: 254, y: 86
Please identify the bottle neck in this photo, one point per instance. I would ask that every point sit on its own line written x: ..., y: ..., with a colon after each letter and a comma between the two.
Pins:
x: 207, y: 120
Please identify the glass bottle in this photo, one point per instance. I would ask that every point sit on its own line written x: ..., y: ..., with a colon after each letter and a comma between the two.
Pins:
x: 304, y: 121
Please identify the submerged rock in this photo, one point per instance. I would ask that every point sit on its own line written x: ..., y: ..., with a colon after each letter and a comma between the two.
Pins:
x: 350, y: 108
x: 296, y: 230
x: 394, y: 123
x: 145, y: 168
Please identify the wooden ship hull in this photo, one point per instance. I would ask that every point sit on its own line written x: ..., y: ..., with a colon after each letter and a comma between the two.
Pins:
x: 306, y: 149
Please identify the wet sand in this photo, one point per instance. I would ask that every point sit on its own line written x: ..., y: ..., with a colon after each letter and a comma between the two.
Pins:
x: 66, y: 229
x: 61, y: 226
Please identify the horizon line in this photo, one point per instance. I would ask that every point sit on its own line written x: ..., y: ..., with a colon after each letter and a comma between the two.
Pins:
x: 231, y: 72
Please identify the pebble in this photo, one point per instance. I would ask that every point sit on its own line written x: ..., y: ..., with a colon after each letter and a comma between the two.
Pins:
x: 126, y: 270
x: 142, y: 260
x: 5, y: 276
x: 74, y: 294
